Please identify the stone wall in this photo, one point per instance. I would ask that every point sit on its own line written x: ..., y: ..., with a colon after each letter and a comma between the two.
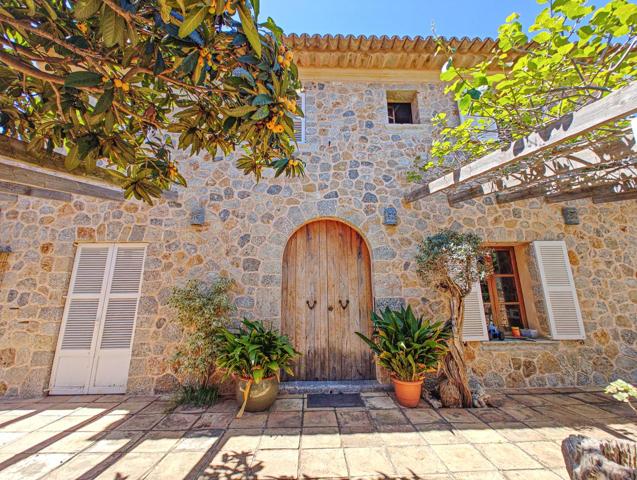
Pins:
x: 356, y: 166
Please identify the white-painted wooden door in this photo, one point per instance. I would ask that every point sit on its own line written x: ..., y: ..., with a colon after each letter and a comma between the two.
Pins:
x: 95, y: 341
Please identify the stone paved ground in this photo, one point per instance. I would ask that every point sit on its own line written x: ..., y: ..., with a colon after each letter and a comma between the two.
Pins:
x: 128, y: 438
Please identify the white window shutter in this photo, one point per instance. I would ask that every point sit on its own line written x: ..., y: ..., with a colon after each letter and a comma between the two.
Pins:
x: 560, y: 297
x: 112, y: 357
x: 80, y: 321
x: 299, y: 122
x: 475, y: 322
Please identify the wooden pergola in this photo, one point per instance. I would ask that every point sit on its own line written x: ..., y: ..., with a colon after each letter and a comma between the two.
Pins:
x: 605, y: 172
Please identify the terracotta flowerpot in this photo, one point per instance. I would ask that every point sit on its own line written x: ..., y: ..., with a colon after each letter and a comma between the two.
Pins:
x: 261, y: 396
x: 407, y: 393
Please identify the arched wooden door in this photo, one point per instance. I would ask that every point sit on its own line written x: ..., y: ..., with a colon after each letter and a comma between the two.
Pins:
x: 326, y: 297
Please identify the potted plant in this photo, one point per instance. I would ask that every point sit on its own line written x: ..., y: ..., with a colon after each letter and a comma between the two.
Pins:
x: 254, y: 356
x: 408, y: 347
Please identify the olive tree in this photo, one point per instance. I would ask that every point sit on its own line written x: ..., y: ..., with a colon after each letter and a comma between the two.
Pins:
x: 107, y: 81
x: 453, y: 262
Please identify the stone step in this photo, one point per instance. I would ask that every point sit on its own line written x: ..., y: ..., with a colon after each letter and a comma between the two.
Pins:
x: 344, y: 386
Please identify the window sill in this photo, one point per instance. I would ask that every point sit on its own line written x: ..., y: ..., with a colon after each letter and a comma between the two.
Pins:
x: 515, y: 343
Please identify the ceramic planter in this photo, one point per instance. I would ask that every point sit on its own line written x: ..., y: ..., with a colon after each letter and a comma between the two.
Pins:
x: 407, y: 393
x: 261, y: 396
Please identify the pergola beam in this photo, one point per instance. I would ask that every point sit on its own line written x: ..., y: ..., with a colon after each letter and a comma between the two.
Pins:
x: 17, y: 189
x: 616, y: 105
x: 552, y: 169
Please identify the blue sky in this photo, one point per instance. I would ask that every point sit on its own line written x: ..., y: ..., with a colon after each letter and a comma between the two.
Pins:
x: 396, y: 17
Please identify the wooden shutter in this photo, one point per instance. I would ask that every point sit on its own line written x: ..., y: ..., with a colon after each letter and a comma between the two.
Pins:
x: 299, y: 122
x: 94, y: 346
x: 475, y: 323
x: 560, y: 297
x: 80, y: 321
x: 112, y: 357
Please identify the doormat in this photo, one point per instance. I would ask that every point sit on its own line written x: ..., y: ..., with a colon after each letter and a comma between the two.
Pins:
x: 327, y: 400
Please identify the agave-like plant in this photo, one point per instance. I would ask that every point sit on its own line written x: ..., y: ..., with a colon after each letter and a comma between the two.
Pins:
x: 406, y: 345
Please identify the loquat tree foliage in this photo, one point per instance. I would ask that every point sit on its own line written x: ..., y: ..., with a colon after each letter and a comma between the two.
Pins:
x: 573, y: 54
x: 107, y: 81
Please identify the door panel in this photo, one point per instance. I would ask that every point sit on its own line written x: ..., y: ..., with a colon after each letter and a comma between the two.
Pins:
x: 326, y: 297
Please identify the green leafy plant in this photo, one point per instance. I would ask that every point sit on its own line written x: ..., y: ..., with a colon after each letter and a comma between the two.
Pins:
x: 196, y: 395
x: 454, y: 262
x: 106, y: 80
x: 254, y: 353
x: 406, y: 345
x: 572, y: 54
x: 623, y: 392
x: 202, y: 310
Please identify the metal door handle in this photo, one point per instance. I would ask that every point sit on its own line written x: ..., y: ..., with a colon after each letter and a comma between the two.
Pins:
x: 312, y: 305
x: 344, y: 305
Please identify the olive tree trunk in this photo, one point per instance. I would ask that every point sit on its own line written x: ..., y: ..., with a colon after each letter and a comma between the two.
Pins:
x: 454, y: 382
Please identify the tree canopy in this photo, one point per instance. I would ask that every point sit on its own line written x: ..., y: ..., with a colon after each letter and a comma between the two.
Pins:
x: 573, y: 54
x: 109, y: 80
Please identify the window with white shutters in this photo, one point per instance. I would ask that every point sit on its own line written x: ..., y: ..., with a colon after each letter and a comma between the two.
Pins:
x: 95, y: 341
x: 560, y: 296
x: 299, y: 122
x: 475, y: 325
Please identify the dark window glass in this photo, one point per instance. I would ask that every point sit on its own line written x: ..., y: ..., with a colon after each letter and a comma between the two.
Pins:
x: 502, y: 262
x: 399, y: 113
x: 507, y: 291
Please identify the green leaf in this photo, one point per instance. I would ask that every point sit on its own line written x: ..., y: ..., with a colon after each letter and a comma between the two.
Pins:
x: 241, y: 111
x: 261, y: 113
x: 84, y: 9
x: 104, y: 102
x: 262, y: 99
x: 72, y: 161
x: 192, y: 21
x: 109, y: 27
x: 30, y: 6
x: 164, y: 10
x: 82, y: 79
x: 250, y: 29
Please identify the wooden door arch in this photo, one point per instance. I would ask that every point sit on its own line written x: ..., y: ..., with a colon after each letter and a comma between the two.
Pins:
x: 326, y: 297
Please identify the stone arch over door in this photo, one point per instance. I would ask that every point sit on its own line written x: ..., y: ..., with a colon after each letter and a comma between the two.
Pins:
x: 326, y: 296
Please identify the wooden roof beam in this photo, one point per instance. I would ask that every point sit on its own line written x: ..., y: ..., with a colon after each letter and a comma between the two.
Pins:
x: 550, y: 169
x: 616, y: 105
x: 18, y: 189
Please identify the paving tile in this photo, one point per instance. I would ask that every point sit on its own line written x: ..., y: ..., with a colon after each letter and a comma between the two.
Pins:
x: 213, y: 420
x: 409, y: 460
x: 440, y: 434
x: 104, y: 423
x: 287, y: 405
x: 158, y: 407
x: 517, y: 432
x: 116, y: 441
x: 73, y: 442
x: 353, y: 418
x: 275, y: 463
x: 480, y: 433
x: 69, y: 422
x: 548, y: 454
x: 177, y: 421
x: 199, y: 440
x: 158, y: 441
x: 229, y: 464
x: 550, y: 430
x: 322, y: 463
x: 131, y: 466
x: 8, y: 437
x: 400, y: 435
x: 530, y: 400
x: 360, y: 437
x: 175, y: 466
x: 141, y: 422
x: 320, y: 437
x: 33, y: 467
x: 250, y: 420
x: 507, y: 456
x: 380, y: 402
x: 31, y: 423
x: 29, y: 443
x: 523, y: 413
x: 491, y: 475
x: 369, y: 461
x: 280, y: 438
x: 285, y: 420
x: 458, y: 415
x: 84, y: 465
x: 422, y: 415
x: 531, y: 475
x: 388, y: 417
x: 590, y: 397
x: 492, y: 415
x: 228, y: 405
x: 590, y: 412
x: 319, y: 419
x: 240, y: 440
x: 132, y: 406
x: 462, y: 458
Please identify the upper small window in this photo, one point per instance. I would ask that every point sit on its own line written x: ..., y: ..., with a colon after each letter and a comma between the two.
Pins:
x: 399, y: 112
x: 402, y: 107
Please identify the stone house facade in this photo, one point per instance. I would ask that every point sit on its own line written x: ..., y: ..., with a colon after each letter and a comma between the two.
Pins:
x: 356, y: 168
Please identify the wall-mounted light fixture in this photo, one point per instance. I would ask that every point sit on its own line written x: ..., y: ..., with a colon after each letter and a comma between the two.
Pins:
x: 390, y: 216
x: 571, y: 217
x: 198, y: 216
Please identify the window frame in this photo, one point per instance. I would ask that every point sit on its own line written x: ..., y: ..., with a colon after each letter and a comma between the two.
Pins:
x: 491, y: 282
